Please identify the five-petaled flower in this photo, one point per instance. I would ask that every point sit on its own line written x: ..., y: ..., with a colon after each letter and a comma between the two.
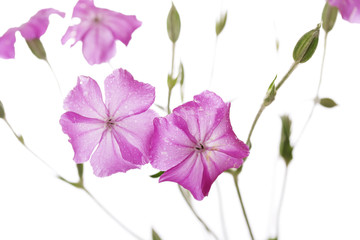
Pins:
x: 98, y: 30
x: 115, y: 136
x: 349, y: 9
x: 31, y: 30
x: 196, y: 143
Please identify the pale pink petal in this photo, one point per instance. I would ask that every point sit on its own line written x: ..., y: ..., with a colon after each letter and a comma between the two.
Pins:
x: 98, y: 45
x: 214, y: 164
x: 84, y: 9
x: 86, y: 100
x: 107, y: 158
x: 125, y: 96
x: 7, y: 41
x: 188, y: 174
x: 224, y: 139
x: 349, y: 9
x: 171, y: 143
x: 38, y: 24
x: 84, y: 134
x: 137, y: 131
x: 77, y: 32
x: 122, y: 26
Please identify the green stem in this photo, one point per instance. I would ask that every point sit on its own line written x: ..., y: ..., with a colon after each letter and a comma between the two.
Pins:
x: 262, y: 107
x: 56, y: 79
x: 316, y: 99
x: 222, y: 219
x: 242, y: 205
x: 168, y: 102
x: 196, y: 214
x: 281, y: 202
x: 172, y: 59
x: 110, y: 215
x: 287, y: 75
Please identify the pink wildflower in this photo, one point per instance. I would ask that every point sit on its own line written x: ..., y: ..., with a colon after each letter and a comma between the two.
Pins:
x: 98, y: 30
x: 118, y: 130
x: 196, y: 143
x: 33, y: 29
x: 349, y: 9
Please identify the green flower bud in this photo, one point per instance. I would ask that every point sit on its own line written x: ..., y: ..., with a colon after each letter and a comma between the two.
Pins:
x: 37, y: 48
x: 173, y: 24
x: 306, y: 46
x: 327, y: 102
x: 270, y: 94
x: 329, y: 15
x: 285, y: 146
x: 221, y: 24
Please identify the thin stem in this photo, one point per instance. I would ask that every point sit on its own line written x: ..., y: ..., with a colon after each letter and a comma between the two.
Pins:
x: 168, y: 102
x: 262, y: 107
x: 316, y: 99
x: 56, y: 79
x: 196, y: 214
x: 242, y: 205
x: 172, y: 59
x: 110, y: 215
x: 281, y: 202
x: 221, y: 209
x: 287, y: 75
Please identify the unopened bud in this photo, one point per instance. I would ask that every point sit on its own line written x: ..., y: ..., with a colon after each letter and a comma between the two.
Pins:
x: 306, y: 46
x: 173, y: 24
x: 329, y: 15
x: 37, y: 48
x: 270, y: 94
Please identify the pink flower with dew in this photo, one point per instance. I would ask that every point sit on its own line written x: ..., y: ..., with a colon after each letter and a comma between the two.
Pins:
x: 196, y: 143
x: 349, y: 9
x: 98, y: 30
x: 33, y: 29
x: 114, y: 135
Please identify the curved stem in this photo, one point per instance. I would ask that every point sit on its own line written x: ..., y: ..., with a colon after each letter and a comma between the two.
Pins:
x: 287, y: 75
x: 196, y: 214
x: 281, y: 202
x: 110, y: 215
x: 221, y: 210
x: 56, y: 79
x: 254, y: 123
x: 242, y: 205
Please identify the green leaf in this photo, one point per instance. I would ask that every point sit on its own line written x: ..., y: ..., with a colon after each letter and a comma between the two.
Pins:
x: 221, y: 24
x: 37, y: 48
x: 285, y: 147
x: 327, y: 102
x: 173, y: 24
x: 328, y: 18
x: 181, y: 74
x: 2, y: 111
x: 158, y: 174
x: 155, y: 236
x: 271, y: 93
x: 306, y: 46
x: 171, y: 82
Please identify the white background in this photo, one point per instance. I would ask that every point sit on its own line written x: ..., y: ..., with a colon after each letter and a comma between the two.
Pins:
x: 323, y: 190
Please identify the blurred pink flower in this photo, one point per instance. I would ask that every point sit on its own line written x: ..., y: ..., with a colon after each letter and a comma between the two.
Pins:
x: 33, y: 29
x: 196, y: 143
x: 349, y: 9
x: 115, y: 136
x: 98, y: 30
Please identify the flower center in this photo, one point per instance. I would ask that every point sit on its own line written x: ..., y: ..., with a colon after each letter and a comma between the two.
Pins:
x: 200, y: 147
x: 110, y: 123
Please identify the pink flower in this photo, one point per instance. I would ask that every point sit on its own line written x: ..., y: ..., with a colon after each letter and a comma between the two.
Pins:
x: 349, y: 9
x: 33, y: 29
x: 98, y: 30
x: 196, y: 143
x: 115, y: 136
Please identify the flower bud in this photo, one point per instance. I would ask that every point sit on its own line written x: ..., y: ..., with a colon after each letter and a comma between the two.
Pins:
x: 327, y: 102
x: 220, y: 24
x: 37, y: 48
x: 173, y: 24
x: 306, y: 46
x: 329, y: 15
x: 285, y: 146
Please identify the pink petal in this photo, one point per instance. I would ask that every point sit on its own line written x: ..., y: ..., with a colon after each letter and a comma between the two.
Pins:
x: 84, y: 9
x: 84, y: 134
x: 77, y: 32
x: 137, y: 131
x: 98, y: 45
x: 188, y: 174
x: 170, y: 144
x: 223, y: 138
x: 214, y: 164
x: 349, y: 9
x: 86, y: 100
x: 125, y: 96
x: 7, y: 42
x: 38, y: 24
x: 121, y: 26
x: 203, y: 114
x: 107, y: 159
